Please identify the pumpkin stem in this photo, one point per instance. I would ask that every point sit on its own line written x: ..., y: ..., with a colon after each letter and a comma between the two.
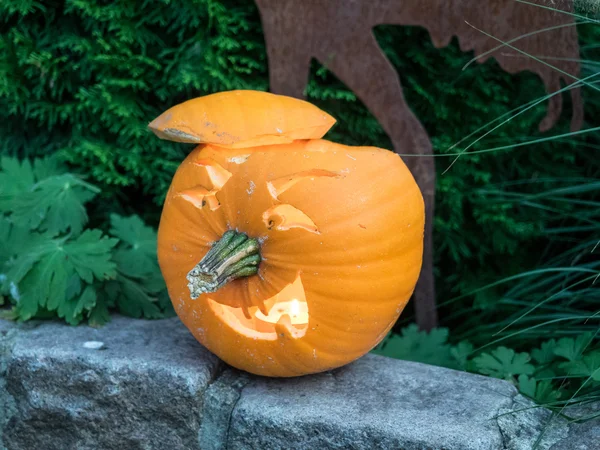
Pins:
x: 231, y: 257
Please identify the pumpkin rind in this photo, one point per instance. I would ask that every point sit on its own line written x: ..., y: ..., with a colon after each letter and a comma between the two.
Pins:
x: 358, y: 267
x: 242, y: 119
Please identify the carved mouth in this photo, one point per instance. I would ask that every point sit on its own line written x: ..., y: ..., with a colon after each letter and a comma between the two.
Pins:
x: 287, y: 314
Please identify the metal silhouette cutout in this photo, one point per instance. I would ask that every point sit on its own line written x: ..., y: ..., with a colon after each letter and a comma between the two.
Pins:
x: 338, y: 33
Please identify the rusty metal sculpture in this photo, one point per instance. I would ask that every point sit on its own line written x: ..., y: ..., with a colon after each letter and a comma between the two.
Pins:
x: 338, y: 33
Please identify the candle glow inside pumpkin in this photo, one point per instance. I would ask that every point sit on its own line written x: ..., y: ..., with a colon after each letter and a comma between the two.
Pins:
x: 288, y: 308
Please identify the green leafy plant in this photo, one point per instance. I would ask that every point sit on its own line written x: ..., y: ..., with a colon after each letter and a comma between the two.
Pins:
x: 504, y: 363
x: 138, y: 289
x: 554, y: 371
x: 51, y: 265
x: 541, y: 391
x: 412, y: 344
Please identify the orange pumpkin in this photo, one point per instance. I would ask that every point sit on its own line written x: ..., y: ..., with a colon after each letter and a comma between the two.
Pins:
x: 284, y: 254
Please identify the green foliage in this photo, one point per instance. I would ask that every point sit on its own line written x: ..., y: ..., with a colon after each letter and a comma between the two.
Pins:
x: 40, y: 198
x: 541, y: 391
x: 430, y: 348
x: 88, y: 76
x: 557, y: 370
x: 138, y: 289
x: 50, y: 265
x: 504, y: 363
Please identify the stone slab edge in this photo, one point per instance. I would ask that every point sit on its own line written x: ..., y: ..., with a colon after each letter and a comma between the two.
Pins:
x: 220, y: 399
x: 7, y: 402
x: 519, y: 422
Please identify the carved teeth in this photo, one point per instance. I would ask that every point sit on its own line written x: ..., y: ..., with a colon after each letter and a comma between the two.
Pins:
x: 285, y: 319
x: 283, y: 327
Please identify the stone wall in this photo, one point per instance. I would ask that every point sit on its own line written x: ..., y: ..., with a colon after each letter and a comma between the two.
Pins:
x: 149, y: 385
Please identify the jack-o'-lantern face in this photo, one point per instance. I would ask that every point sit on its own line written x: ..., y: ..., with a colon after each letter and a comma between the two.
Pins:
x: 292, y: 257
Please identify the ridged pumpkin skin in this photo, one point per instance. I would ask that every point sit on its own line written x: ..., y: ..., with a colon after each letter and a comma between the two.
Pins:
x: 347, y: 221
x: 240, y: 119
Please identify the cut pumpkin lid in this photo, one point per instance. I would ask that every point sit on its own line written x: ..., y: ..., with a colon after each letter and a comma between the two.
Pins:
x: 240, y: 119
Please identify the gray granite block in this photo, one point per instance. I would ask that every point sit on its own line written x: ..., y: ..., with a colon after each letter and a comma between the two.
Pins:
x: 137, y: 384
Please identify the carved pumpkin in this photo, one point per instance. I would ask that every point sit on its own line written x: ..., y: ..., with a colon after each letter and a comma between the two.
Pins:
x: 284, y: 254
